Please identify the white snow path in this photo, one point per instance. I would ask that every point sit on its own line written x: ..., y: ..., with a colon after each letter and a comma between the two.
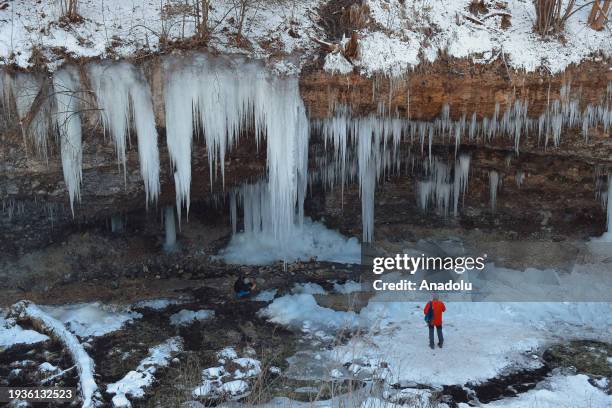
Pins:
x: 480, y: 339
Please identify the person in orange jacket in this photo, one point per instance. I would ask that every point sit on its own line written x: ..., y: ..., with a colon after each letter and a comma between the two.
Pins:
x: 433, y: 316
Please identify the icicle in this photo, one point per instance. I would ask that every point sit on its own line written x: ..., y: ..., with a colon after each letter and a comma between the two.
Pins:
x: 24, y: 89
x: 170, y: 229
x: 68, y: 122
x: 462, y: 171
x: 179, y: 96
x: 233, y: 212
x: 211, y: 97
x: 121, y: 94
x: 493, y: 186
x: 148, y: 153
x: 473, y: 127
x: 117, y: 223
x: 519, y: 178
x: 367, y: 142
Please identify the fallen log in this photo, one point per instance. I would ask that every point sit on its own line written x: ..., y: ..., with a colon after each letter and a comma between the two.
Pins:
x: 26, y: 311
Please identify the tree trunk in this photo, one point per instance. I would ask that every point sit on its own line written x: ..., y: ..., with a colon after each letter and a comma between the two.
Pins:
x: 599, y: 15
x: 27, y: 311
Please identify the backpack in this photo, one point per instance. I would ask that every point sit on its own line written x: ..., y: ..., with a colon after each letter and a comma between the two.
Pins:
x: 430, y: 314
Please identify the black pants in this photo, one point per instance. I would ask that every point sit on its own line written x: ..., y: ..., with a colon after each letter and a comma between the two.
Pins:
x: 431, y: 335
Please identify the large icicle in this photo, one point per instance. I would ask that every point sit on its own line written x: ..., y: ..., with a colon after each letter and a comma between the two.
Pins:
x: 122, y: 94
x: 68, y: 122
x: 462, y: 171
x: 212, y: 97
x: 170, y: 229
x: 25, y: 88
x: 179, y: 96
x: 607, y: 236
x: 493, y: 187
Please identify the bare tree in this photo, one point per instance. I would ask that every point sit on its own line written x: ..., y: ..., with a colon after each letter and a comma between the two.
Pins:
x: 69, y: 9
x: 242, y: 7
x: 599, y: 14
x: 201, y: 9
x: 551, y: 15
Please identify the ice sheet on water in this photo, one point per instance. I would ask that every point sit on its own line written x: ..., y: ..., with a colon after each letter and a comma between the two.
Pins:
x: 92, y: 319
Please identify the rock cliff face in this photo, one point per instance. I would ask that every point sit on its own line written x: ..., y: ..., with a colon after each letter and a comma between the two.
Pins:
x: 557, y: 200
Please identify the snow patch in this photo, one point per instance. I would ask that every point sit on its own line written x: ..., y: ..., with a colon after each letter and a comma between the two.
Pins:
x: 11, y: 334
x: 348, y: 287
x: 92, y: 319
x: 380, y: 53
x: 135, y: 382
x: 337, y: 64
x: 187, y: 317
x: 308, y: 288
x: 558, y: 391
x: 303, y: 312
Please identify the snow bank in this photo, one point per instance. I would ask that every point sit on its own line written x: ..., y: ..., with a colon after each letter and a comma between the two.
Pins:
x: 116, y: 28
x: 187, y: 317
x: 451, y: 29
x: 348, y: 287
x: 11, y: 334
x: 92, y: 319
x: 311, y: 240
x: 337, y: 64
x: 308, y: 288
x: 558, y: 391
x: 380, y: 53
x: 135, y: 382
x: 303, y: 312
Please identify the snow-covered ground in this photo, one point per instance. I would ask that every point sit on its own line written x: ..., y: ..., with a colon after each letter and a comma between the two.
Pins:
x: 117, y: 28
x: 401, y: 34
x: 187, y: 317
x: 11, y: 334
x: 482, y: 340
x: 431, y: 27
x: 557, y: 392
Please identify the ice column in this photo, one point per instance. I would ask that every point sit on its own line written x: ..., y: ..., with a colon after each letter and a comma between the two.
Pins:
x: 170, y: 228
x: 122, y: 94
x: 209, y: 96
x: 68, y: 122
x: 493, y: 186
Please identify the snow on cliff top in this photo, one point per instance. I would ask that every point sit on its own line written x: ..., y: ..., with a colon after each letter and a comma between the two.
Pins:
x: 119, y: 28
x: 451, y: 27
x: 400, y: 34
